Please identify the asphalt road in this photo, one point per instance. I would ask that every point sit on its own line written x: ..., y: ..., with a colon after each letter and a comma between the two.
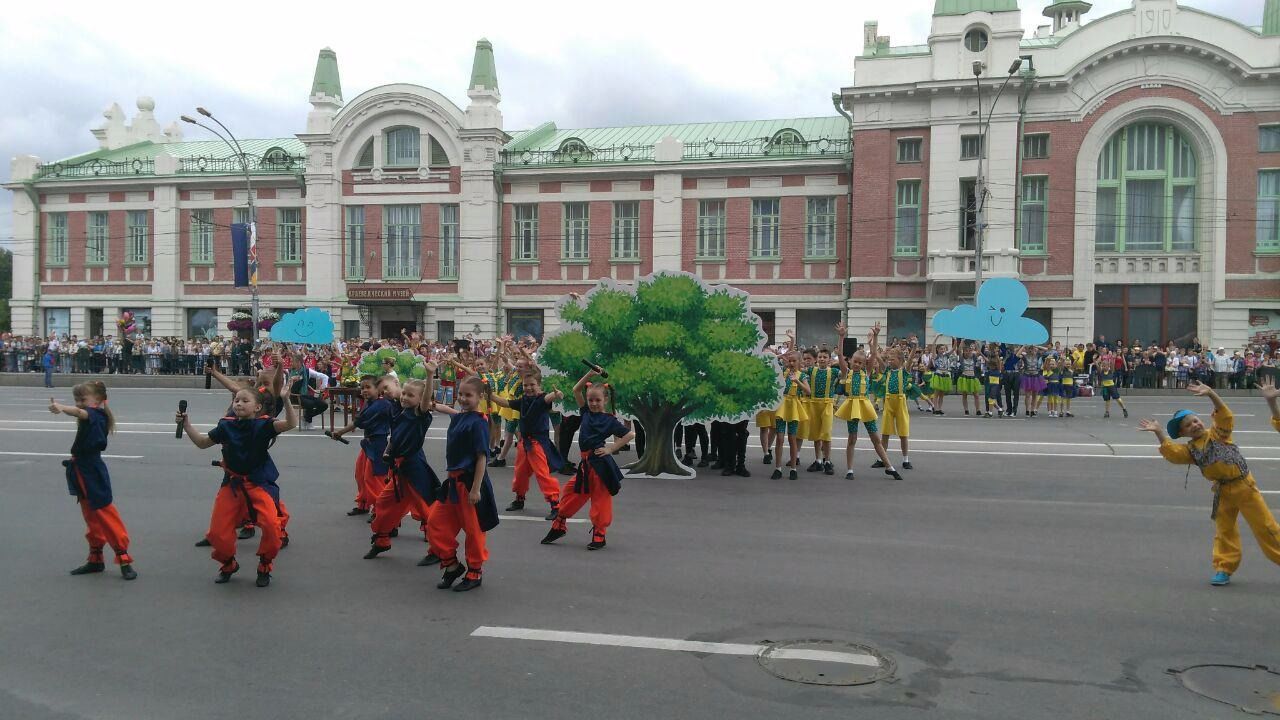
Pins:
x: 1027, y: 568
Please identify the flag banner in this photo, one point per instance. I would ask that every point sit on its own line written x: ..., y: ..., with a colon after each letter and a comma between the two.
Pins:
x: 240, y: 252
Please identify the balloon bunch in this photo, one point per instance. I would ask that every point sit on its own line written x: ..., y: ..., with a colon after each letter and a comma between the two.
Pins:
x: 126, y: 323
x: 407, y: 364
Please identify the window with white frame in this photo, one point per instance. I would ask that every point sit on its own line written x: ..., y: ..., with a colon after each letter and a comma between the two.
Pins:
x: 202, y: 237
x: 449, y: 242
x: 55, y: 248
x: 577, y: 224
x: 970, y: 147
x: 1035, y: 146
x: 355, y: 242
x: 1035, y: 214
x: 1146, y: 197
x: 909, y: 150
x: 402, y: 230
x: 906, y: 237
x: 289, y: 235
x: 820, y: 228
x: 136, y: 234
x: 95, y: 250
x: 1268, y: 226
x: 403, y: 147
x: 710, y: 229
x: 766, y: 217
x: 525, y: 232
x: 240, y: 215
x: 626, y: 230
x: 1269, y: 138
x: 968, y: 214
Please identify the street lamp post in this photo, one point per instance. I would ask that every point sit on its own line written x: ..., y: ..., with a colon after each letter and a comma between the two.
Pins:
x: 234, y: 145
x: 981, y: 184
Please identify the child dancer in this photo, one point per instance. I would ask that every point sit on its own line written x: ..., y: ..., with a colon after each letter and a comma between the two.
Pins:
x: 823, y: 381
x: 790, y: 413
x: 992, y: 367
x: 941, y: 381
x: 465, y: 502
x: 857, y: 407
x: 1234, y: 491
x: 411, y: 483
x: 598, y: 478
x: 1053, y: 385
x: 970, y: 382
x: 89, y: 481
x: 536, y: 454
x: 371, y: 469
x: 808, y: 358
x: 248, y: 481
x: 1067, y: 390
x: 1110, y: 387
x: 896, y: 386
x: 1033, y: 384
x: 766, y: 421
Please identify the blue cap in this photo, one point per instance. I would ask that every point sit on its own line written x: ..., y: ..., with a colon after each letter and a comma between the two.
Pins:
x: 1175, y: 423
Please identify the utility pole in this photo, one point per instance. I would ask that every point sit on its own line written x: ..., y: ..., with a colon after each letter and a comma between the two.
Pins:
x: 980, y: 184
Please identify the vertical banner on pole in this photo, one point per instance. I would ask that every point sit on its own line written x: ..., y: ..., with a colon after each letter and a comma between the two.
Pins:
x: 253, y: 254
x: 240, y: 253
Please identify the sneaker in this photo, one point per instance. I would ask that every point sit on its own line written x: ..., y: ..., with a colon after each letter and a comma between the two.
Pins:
x: 987, y: 415
x: 777, y: 474
x: 429, y: 560
x: 793, y: 474
x: 128, y: 573
x: 450, y: 576
x: 225, y: 575
x: 878, y: 464
x: 595, y: 544
x: 741, y: 471
x: 517, y: 504
x: 500, y: 462
x: 1125, y: 411
x: 828, y: 468
x: 88, y: 568
x: 966, y: 412
x: 357, y: 511
x: 848, y: 475
x: 264, y: 579
x: 894, y: 473
x: 1068, y: 415
x: 768, y: 458
x: 204, y: 543
x: 553, y: 535
x: 1220, y: 578
x: 375, y: 551
x: 907, y: 466
x: 814, y: 467
x: 467, y: 584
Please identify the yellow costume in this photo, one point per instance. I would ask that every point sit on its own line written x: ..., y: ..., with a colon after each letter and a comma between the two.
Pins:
x: 822, y: 389
x: 857, y: 403
x: 792, y: 407
x: 896, y: 419
x: 766, y: 418
x: 1234, y: 491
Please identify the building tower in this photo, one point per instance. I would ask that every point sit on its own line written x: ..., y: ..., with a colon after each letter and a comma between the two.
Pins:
x: 1066, y: 13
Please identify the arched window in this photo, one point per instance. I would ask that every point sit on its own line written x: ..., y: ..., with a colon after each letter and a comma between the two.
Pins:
x: 365, y: 159
x: 403, y: 147
x: 1146, y: 191
x: 275, y: 158
x: 975, y: 40
x: 573, y: 150
x: 439, y: 158
x: 786, y: 140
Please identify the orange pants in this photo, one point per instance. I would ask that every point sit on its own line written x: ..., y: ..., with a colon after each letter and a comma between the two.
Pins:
x: 282, y: 517
x: 446, y: 519
x: 601, y: 503
x: 368, y: 485
x: 105, y: 528
x: 534, y: 462
x: 390, y: 510
x: 231, y: 506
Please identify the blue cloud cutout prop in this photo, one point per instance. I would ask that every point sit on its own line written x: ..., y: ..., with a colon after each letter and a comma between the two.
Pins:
x: 995, y: 316
x: 308, y: 326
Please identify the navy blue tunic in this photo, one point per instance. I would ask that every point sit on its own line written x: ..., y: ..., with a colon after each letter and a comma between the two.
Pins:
x: 469, y: 437
x: 596, y: 429
x: 409, y: 462
x: 535, y: 426
x: 375, y: 420
x: 87, y: 476
x: 245, y: 445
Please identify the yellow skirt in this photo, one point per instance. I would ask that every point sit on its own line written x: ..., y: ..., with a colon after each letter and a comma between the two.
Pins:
x: 766, y: 419
x: 859, y: 408
x: 792, y: 410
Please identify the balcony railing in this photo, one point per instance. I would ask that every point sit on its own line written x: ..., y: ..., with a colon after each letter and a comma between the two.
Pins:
x: 97, y: 168
x: 401, y: 270
x: 193, y: 165
x: 703, y: 150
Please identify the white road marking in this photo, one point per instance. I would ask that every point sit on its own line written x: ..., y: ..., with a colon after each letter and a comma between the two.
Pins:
x: 63, y: 455
x: 533, y: 518
x: 655, y: 643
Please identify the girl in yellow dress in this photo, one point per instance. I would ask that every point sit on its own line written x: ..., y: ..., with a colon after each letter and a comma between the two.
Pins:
x: 791, y: 411
x: 857, y: 407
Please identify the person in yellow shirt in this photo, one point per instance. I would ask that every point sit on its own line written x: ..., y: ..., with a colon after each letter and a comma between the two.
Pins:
x: 1272, y: 394
x: 1234, y: 490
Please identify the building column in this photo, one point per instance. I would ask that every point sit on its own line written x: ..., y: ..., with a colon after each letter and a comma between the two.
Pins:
x: 23, y: 309
x: 166, y: 314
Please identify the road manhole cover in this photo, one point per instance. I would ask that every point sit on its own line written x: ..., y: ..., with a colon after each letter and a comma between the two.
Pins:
x: 1253, y: 689
x: 825, y: 662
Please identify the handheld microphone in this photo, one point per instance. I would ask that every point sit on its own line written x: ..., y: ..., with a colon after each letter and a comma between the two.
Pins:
x: 339, y: 438
x: 182, y: 408
x: 208, y: 376
x: 595, y: 367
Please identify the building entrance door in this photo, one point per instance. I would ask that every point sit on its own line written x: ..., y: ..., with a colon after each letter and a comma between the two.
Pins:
x: 390, y: 329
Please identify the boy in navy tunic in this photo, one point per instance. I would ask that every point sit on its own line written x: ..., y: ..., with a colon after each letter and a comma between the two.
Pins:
x: 411, y: 483
x: 598, y: 478
x: 536, y: 454
x: 248, y: 481
x: 89, y: 481
x: 371, y: 470
x: 465, y: 503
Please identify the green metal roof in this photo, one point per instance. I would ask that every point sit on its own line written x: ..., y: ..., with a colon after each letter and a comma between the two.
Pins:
x: 1271, y: 18
x: 549, y: 137
x: 326, y: 81
x: 963, y: 7
x: 199, y: 157
x: 194, y: 148
x: 484, y: 73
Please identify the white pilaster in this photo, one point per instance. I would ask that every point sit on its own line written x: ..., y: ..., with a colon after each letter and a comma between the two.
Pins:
x: 166, y: 315
x: 668, y: 202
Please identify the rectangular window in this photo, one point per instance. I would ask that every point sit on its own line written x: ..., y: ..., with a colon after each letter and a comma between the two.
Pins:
x: 766, y: 222
x: 525, y: 232
x: 355, y: 242
x: 710, y: 229
x: 201, y: 237
x: 1144, y: 215
x: 525, y: 323
x: 968, y: 214
x: 1035, y: 147
x: 820, y: 228
x: 904, y: 324
x: 1145, y: 314
x: 1107, y: 212
x: 1035, y: 214
x: 403, y: 147
x: 240, y: 215
x: 626, y: 230
x: 55, y: 248
x: 136, y: 232
x: 350, y: 329
x: 289, y: 235
x: 1268, y: 237
x: 95, y: 250
x: 909, y: 150
x: 577, y: 224
x: 970, y: 147
x: 402, y: 230
x: 202, y: 322
x: 449, y: 242
x: 1269, y: 138
x: 906, y: 234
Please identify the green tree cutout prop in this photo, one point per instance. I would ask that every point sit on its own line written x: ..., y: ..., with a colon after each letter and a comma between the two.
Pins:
x: 675, y: 349
x: 408, y: 365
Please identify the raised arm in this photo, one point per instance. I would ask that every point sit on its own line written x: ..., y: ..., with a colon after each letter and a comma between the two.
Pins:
x: 1272, y: 395
x: 1198, y: 388
x: 289, y: 421
x: 580, y: 389
x: 211, y: 370
x: 553, y: 397
x: 72, y: 410
x: 874, y: 341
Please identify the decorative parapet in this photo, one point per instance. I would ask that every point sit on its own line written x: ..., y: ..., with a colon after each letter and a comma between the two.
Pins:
x: 271, y: 163
x: 1126, y: 264
x: 697, y: 151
